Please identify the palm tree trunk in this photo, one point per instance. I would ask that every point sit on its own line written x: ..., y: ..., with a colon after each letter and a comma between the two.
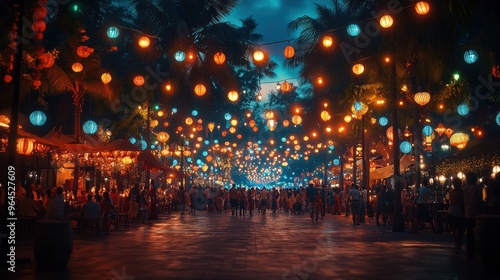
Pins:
x: 78, y: 102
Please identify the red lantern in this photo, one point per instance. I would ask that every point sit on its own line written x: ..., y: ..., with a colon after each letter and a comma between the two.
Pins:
x: 138, y: 80
x: 495, y: 71
x: 219, y: 58
x: 286, y: 86
x: 289, y: 52
x: 7, y: 78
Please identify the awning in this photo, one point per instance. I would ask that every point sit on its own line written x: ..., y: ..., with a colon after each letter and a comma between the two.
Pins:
x: 150, y: 161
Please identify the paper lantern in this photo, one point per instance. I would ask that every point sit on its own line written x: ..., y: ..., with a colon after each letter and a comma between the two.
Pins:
x: 405, y: 147
x: 46, y: 59
x: 180, y: 56
x: 84, y: 51
x: 232, y: 129
x: 233, y: 96
x: 219, y: 58
x: 204, y: 168
x: 143, y: 145
x: 258, y: 56
x: 194, y: 113
x: 113, y: 32
x: 422, y: 98
x: 463, y: 109
x: 138, y: 80
x: 189, y: 121
x: 495, y: 71
x: 25, y: 146
x: 497, y: 119
x: 90, y: 127
x: 271, y: 124
x: 336, y: 161
x: 286, y: 123
x: 470, y: 56
x: 143, y: 42
x: 227, y: 116
x: 77, y: 67
x: 296, y: 120
x: 289, y: 52
x: 106, y: 78
x: 383, y: 121
x: 459, y: 140
x: 38, y: 118
x: 358, y: 69
x: 422, y: 8
x: 386, y: 21
x: 162, y: 137
x: 7, y: 78
x: 327, y: 41
x: 132, y: 140
x: 427, y: 130
x: 126, y: 160
x: 200, y: 89
x: 389, y: 133
x: 325, y: 116
x: 353, y: 30
x: 286, y: 86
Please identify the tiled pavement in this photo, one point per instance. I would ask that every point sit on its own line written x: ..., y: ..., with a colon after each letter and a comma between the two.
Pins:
x: 274, y: 246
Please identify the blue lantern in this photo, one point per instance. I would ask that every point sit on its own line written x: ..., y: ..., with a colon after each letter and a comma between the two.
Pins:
x: 144, y: 145
x: 463, y: 109
x: 470, y: 56
x: 152, y: 147
x: 405, y: 147
x: 427, y: 130
x: 331, y: 147
x: 227, y: 116
x: 205, y: 153
x: 174, y: 162
x: 497, y: 119
x: 353, y: 30
x: 207, y: 142
x: 383, y: 121
x: 194, y: 113
x: 199, y: 162
x: 283, y: 139
x: 174, y: 110
x: 90, y: 127
x: 38, y: 118
x: 180, y: 56
x: 336, y: 161
x: 189, y: 159
x: 113, y: 32
x: 358, y: 106
x: 216, y: 141
x: 132, y: 140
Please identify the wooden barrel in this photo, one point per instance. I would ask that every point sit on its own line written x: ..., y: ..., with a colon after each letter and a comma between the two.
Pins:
x: 53, y: 244
x: 487, y: 238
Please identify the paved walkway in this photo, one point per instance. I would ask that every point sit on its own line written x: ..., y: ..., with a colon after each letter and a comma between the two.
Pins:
x: 274, y: 246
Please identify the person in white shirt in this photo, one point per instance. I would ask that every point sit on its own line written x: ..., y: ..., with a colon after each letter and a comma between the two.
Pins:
x: 355, y: 198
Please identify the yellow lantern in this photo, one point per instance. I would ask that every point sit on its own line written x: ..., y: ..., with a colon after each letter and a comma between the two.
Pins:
x: 327, y: 41
x: 204, y: 167
x: 286, y: 123
x: 271, y: 124
x: 422, y: 98
x: 77, y: 67
x: 232, y: 129
x: 286, y: 86
x: 325, y: 116
x: 165, y: 152
x: 422, y: 8
x: 390, y: 133
x: 143, y: 42
x: 126, y: 160
x: 219, y: 58
x: 233, y: 96
x: 200, y: 89
x: 296, y: 120
x: 289, y: 52
x: 106, y: 78
x: 258, y: 56
x: 386, y: 21
x: 189, y: 121
x: 459, y: 140
x: 138, y: 80
x: 269, y: 114
x: 347, y: 118
x: 168, y: 87
x: 234, y: 122
x: 162, y: 137
x: 358, y: 69
x: 25, y: 146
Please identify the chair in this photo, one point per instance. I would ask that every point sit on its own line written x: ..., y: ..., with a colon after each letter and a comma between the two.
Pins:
x: 92, y: 226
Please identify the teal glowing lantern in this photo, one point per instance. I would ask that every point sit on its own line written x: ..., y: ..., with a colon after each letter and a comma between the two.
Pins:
x: 353, y: 30
x: 383, y: 121
x: 38, y: 118
x: 283, y: 139
x: 358, y: 106
x: 113, y: 32
x: 189, y: 159
x: 470, y: 56
x: 194, y: 113
x: 199, y: 162
x: 331, y: 147
x: 180, y: 56
x: 405, y: 147
x: 497, y: 119
x: 227, y: 116
x: 205, y: 153
x: 336, y: 161
x: 207, y: 142
x: 463, y: 109
x: 175, y: 162
x: 90, y: 127
x: 174, y: 110
x: 152, y: 147
x: 144, y: 145
x: 427, y: 130
x: 132, y: 140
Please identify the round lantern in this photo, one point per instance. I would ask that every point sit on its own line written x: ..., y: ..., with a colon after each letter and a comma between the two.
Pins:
x: 405, y: 147
x: 90, y: 127
x: 495, y: 71
x: 286, y: 123
x: 47, y: 60
x: 269, y: 114
x: 200, y: 89
x: 296, y: 120
x: 459, y: 140
x: 126, y: 160
x: 84, y: 51
x: 422, y: 98
x: 497, y: 118
x: 286, y: 86
x: 232, y: 129
x: 233, y: 96
x: 204, y: 167
x: 77, y: 67
x: 143, y: 145
x: 358, y: 105
x: 132, y: 140
x: 25, y: 146
x: 289, y: 52
x: 37, y: 83
x: 271, y: 124
x: 470, y: 56
x: 389, y: 133
x: 353, y: 30
x: 138, y: 80
x: 180, y: 56
x: 386, y: 21
x: 219, y: 58
x: 463, y: 109
x: 258, y: 56
x: 422, y: 8
x: 106, y: 78
x: 189, y: 121
x: 162, y: 137
x: 7, y: 78
x: 209, y: 158
x: 113, y: 32
x: 327, y: 41
x: 383, y: 121
x: 143, y: 42
x: 427, y: 130
x: 336, y: 161
x: 194, y: 113
x: 227, y: 116
x: 358, y: 69
x: 325, y: 116
x: 38, y: 118
x: 347, y: 118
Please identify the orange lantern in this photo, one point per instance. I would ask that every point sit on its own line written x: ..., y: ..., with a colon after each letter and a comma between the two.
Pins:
x: 84, y: 51
x: 327, y: 41
x: 422, y: 98
x: 143, y: 42
x: 459, y: 140
x: 200, y: 89
x: 325, y: 116
x: 232, y: 129
x: 77, y: 67
x: 25, y: 146
x: 386, y: 21
x: 162, y: 137
x: 269, y: 114
x: 209, y: 158
x: 138, y: 80
x: 286, y: 123
x: 106, y: 78
x: 258, y: 56
x: 296, y: 120
x: 286, y: 86
x: 289, y: 52
x: 233, y: 96
x: 358, y: 69
x: 422, y: 8
x: 189, y: 121
x: 219, y: 58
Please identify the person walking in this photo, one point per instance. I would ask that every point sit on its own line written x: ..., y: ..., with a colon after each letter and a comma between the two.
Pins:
x: 456, y: 212
x: 423, y: 197
x: 472, y: 206
x: 354, y: 198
